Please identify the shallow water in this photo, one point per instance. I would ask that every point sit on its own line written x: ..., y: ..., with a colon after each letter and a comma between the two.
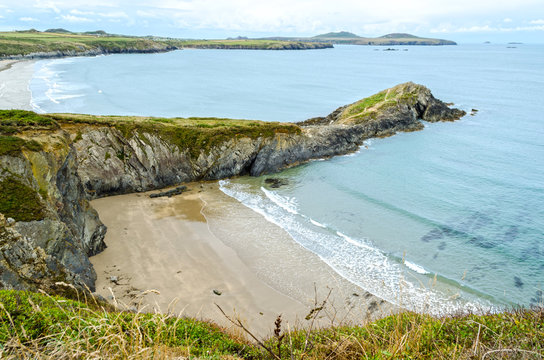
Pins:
x: 447, y: 218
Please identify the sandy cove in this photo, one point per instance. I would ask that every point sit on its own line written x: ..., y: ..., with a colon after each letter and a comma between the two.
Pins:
x: 187, y: 253
x: 15, y: 79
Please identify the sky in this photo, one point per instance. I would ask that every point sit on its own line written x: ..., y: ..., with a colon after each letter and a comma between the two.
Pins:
x: 464, y: 21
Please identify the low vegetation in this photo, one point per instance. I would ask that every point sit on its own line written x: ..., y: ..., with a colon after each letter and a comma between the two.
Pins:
x: 192, y: 134
x: 381, y: 103
x: 19, y: 201
x: 41, y: 326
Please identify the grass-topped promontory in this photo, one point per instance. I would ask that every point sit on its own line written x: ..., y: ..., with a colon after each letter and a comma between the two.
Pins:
x: 192, y: 134
x: 368, y: 108
x: 41, y: 326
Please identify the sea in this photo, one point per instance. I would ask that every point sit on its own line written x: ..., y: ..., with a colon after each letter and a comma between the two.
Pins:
x: 447, y: 219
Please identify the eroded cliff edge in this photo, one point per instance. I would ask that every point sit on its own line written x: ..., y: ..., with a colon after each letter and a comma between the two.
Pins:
x: 51, y: 165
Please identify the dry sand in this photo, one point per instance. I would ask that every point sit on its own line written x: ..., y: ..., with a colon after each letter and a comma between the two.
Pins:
x: 15, y: 78
x: 203, y: 248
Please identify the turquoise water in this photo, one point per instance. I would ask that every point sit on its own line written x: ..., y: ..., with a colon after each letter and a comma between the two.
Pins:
x: 448, y: 218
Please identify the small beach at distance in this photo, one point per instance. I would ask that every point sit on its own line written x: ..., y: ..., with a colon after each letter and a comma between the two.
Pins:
x: 15, y: 77
x: 187, y: 253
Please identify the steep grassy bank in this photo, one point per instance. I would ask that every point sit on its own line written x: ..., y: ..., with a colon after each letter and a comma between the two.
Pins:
x: 40, y: 326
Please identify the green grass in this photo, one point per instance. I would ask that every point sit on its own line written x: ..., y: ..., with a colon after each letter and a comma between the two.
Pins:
x: 33, y: 323
x: 38, y: 325
x: 414, y: 336
x: 23, y: 43
x: 13, y: 121
x: 192, y: 134
x: 13, y: 145
x: 20, y: 201
x: 369, y: 108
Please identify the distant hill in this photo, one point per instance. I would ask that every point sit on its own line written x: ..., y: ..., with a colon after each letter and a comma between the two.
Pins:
x: 337, y: 35
x: 399, y: 36
x: 345, y: 37
x: 58, y: 31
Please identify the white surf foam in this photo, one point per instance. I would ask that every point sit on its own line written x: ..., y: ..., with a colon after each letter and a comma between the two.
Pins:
x: 415, y: 267
x: 355, y: 260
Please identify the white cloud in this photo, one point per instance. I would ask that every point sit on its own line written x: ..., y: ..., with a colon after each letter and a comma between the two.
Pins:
x: 486, y: 29
x: 27, y: 19
x: 79, y: 12
x: 75, y: 19
x: 113, y: 14
x: 47, y: 5
x: 294, y: 17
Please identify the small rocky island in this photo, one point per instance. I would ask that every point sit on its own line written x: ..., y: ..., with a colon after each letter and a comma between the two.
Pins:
x: 52, y: 165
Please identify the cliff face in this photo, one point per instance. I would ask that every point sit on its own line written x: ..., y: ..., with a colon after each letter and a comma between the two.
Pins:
x: 51, y: 230
x: 56, y: 171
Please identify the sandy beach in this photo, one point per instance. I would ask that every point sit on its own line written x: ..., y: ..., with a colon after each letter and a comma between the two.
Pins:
x: 187, y: 253
x: 15, y: 77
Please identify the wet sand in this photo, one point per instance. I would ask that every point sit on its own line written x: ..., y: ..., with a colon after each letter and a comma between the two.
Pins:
x: 15, y: 78
x: 187, y: 253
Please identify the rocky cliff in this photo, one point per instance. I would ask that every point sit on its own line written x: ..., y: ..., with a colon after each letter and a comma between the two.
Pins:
x: 51, y: 165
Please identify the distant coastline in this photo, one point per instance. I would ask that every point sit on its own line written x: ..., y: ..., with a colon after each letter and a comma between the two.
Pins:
x: 33, y: 44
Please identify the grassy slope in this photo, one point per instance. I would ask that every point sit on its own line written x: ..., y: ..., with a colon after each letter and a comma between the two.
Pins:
x: 368, y: 108
x: 24, y: 43
x: 36, y: 325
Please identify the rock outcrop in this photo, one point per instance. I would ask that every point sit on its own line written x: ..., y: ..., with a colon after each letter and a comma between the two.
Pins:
x: 58, y: 168
x: 52, y: 242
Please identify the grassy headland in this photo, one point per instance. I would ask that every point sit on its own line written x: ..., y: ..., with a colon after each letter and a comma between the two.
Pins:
x: 195, y: 134
x: 65, y: 43
x: 41, y: 326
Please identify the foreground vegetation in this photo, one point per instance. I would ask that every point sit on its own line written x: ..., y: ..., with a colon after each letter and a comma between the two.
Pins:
x: 41, y: 326
x: 62, y: 42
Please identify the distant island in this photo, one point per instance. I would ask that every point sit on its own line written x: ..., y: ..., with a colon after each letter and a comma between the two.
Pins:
x: 344, y: 37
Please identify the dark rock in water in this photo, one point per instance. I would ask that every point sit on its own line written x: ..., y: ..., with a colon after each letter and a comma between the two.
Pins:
x: 275, y: 182
x: 538, y: 300
x: 217, y: 292
x: 481, y: 242
x: 511, y: 234
x: 442, y: 245
x: 390, y: 49
x: 170, y: 193
x: 473, y: 112
x: 517, y: 282
x: 434, y: 234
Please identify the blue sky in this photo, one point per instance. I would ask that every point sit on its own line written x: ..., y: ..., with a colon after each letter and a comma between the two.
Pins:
x: 465, y: 21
